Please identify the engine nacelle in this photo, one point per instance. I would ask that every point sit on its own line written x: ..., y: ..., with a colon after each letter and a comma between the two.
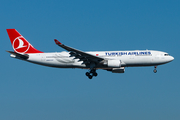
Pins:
x: 118, y: 70
x: 114, y: 63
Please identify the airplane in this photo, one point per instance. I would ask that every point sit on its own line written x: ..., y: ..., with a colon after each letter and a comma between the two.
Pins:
x: 113, y: 61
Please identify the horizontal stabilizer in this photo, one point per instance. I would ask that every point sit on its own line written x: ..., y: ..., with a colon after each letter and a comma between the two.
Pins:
x: 21, y: 56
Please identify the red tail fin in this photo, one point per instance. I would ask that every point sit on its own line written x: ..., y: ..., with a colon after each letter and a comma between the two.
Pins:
x: 19, y: 43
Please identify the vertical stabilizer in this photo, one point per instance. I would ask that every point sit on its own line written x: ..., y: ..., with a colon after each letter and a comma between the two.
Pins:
x: 19, y: 43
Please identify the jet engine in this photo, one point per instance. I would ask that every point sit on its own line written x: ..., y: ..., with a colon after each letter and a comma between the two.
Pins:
x: 114, y: 63
x: 118, y: 70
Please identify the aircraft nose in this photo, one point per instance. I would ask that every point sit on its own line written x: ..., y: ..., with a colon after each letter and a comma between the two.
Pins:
x: 171, y: 58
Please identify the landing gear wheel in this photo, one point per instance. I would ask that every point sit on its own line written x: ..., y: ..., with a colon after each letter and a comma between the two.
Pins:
x: 155, y: 71
x: 95, y: 74
x: 91, y: 73
x: 87, y: 73
x: 90, y: 77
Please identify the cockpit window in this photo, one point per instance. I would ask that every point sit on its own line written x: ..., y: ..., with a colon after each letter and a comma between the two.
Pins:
x: 166, y: 55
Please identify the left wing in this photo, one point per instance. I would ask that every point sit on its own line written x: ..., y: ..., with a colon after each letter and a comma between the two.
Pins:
x: 82, y: 56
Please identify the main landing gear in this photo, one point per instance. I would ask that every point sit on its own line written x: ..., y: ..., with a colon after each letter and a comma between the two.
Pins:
x: 155, y: 71
x: 91, y: 73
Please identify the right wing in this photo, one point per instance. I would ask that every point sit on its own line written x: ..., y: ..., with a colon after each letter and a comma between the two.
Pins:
x: 82, y: 56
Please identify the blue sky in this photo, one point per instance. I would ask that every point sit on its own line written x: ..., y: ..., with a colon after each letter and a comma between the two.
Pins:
x: 29, y: 91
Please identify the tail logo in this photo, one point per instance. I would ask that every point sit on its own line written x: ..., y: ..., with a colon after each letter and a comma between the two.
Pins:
x: 20, y: 45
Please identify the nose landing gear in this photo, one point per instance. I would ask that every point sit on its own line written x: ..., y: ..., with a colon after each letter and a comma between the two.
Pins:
x: 155, y: 71
x: 91, y: 73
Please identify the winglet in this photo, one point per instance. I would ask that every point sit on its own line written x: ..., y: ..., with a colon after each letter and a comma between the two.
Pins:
x: 57, y: 42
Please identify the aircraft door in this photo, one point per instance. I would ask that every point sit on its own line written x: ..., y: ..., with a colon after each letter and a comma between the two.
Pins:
x: 43, y: 58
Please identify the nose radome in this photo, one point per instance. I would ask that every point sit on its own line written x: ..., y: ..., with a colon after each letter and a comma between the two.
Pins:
x: 172, y: 58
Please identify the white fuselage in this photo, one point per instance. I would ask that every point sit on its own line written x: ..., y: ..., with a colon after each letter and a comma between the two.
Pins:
x: 126, y: 58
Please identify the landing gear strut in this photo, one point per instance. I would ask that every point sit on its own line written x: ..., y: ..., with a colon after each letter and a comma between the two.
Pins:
x: 155, y: 71
x: 91, y: 73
